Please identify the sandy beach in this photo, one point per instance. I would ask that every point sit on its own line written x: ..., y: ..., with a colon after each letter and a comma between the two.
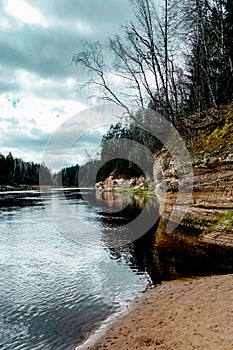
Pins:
x: 177, y: 315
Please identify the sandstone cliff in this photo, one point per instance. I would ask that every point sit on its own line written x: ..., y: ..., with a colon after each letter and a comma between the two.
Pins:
x: 210, y: 210
x: 114, y: 183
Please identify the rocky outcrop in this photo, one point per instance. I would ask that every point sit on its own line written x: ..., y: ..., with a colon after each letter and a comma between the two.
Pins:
x: 211, y: 205
x: 112, y: 183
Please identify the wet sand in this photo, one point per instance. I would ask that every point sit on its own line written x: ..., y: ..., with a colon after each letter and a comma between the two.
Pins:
x: 177, y: 315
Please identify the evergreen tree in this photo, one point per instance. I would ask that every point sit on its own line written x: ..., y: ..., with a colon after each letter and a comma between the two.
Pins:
x: 14, y: 171
x: 9, y: 164
x: 210, y: 59
x: 2, y: 170
x: 229, y: 47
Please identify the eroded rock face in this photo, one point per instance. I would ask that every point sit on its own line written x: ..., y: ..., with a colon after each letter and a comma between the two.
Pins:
x: 112, y: 183
x: 212, y: 193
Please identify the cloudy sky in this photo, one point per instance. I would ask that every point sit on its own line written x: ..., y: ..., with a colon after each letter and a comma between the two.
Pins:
x: 38, y: 83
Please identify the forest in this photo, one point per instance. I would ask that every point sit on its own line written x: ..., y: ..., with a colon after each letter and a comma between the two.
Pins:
x: 174, y: 58
x: 15, y: 171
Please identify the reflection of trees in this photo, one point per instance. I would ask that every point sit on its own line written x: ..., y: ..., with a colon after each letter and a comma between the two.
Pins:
x: 174, y: 257
x: 135, y: 254
x: 162, y: 256
x: 20, y: 200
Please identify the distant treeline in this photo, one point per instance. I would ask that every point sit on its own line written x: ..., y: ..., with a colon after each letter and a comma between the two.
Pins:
x: 15, y: 171
x: 121, y: 154
x: 113, y: 158
x: 67, y: 177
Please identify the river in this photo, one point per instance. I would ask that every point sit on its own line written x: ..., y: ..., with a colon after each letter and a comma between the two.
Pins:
x: 58, y: 286
x: 54, y: 289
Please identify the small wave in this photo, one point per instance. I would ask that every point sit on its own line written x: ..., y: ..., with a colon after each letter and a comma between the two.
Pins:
x: 106, y: 324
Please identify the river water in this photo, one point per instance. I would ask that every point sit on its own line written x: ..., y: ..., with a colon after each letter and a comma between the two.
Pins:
x: 57, y: 286
x: 54, y: 289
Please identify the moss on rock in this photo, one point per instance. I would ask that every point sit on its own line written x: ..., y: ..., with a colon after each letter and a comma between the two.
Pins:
x: 212, y: 131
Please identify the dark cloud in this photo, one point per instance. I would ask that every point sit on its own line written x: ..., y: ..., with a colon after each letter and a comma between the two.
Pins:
x: 46, y: 53
x: 6, y: 86
x: 108, y: 14
x: 34, y: 139
x: 8, y: 81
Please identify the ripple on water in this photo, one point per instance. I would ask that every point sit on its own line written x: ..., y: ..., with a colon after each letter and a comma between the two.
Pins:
x: 54, y: 290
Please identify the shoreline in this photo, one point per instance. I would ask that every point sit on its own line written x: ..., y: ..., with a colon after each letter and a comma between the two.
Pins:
x: 6, y: 189
x: 103, y: 326
x: 176, y: 315
x: 94, y: 336
x: 9, y: 188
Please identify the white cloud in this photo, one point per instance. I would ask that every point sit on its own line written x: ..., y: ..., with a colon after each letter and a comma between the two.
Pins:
x: 27, y: 122
x: 81, y: 132
x: 38, y: 83
x: 48, y: 114
x: 82, y: 27
x: 24, y: 12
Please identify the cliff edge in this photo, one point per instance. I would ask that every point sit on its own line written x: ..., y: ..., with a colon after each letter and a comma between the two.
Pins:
x: 210, y: 211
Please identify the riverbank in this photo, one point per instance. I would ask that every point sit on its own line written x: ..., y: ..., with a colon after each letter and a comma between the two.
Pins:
x: 7, y: 188
x: 177, y: 315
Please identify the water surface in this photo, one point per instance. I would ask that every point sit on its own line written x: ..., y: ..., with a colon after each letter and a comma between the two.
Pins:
x: 54, y: 289
x: 58, y: 285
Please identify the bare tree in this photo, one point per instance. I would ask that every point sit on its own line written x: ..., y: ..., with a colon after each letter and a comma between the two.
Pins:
x: 142, y: 61
x: 147, y: 60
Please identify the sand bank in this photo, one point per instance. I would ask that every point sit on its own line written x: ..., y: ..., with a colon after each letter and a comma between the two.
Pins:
x: 178, y: 315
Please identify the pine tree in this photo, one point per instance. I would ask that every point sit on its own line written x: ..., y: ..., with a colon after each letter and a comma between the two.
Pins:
x: 229, y: 47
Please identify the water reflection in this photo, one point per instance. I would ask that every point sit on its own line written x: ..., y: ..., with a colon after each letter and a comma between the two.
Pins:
x: 20, y: 199
x: 126, y: 216
x: 163, y: 256
x: 54, y: 290
x: 117, y: 201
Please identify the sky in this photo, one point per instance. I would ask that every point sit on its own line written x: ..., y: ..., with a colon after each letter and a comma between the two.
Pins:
x: 39, y: 85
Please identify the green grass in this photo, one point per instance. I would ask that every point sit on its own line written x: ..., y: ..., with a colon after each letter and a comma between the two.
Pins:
x: 228, y: 218
x: 140, y: 192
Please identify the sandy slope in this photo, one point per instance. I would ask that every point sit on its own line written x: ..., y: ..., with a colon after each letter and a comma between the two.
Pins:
x: 193, y: 314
